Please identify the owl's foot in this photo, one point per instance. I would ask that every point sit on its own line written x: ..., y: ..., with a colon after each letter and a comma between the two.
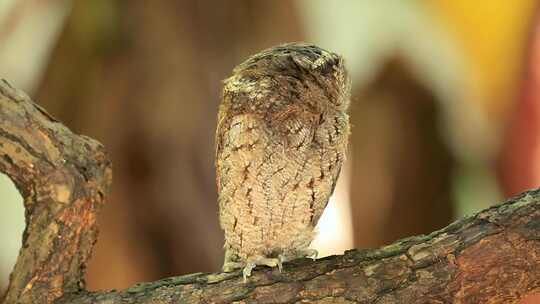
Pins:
x: 308, y: 253
x: 303, y: 253
x: 232, y: 266
x: 255, y: 261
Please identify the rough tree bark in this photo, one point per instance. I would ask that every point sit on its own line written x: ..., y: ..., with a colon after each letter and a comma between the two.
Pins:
x: 491, y: 257
x: 63, y: 179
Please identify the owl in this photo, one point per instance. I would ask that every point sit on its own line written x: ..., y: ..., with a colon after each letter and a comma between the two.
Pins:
x: 281, y: 139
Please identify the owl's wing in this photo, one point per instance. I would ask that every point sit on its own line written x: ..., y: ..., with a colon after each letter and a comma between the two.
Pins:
x: 240, y: 141
x: 331, y: 140
x: 314, y: 146
x: 220, y: 133
x: 290, y: 130
x: 233, y: 133
x: 319, y: 207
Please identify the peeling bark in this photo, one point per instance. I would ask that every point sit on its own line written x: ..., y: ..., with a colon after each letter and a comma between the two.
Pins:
x: 490, y: 257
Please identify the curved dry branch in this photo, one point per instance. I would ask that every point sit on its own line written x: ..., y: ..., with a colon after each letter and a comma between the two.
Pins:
x: 491, y: 257
x: 62, y: 178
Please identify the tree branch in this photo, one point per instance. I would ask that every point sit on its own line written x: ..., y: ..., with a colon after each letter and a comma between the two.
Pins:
x: 62, y: 178
x: 491, y: 257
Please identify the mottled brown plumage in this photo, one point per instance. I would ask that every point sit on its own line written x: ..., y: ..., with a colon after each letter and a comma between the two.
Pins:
x: 280, y: 142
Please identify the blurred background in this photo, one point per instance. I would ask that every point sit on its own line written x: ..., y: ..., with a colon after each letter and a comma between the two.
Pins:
x: 445, y: 113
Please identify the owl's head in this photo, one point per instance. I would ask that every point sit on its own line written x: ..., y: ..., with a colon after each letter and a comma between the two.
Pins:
x: 293, y: 73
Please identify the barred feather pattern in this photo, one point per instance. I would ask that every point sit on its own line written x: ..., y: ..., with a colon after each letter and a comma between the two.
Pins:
x: 281, y: 140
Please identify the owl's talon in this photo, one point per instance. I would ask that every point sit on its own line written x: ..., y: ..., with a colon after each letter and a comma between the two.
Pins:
x: 270, y: 262
x: 246, y: 272
x: 282, y: 259
x: 252, y: 263
x: 232, y: 266
x: 310, y: 253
